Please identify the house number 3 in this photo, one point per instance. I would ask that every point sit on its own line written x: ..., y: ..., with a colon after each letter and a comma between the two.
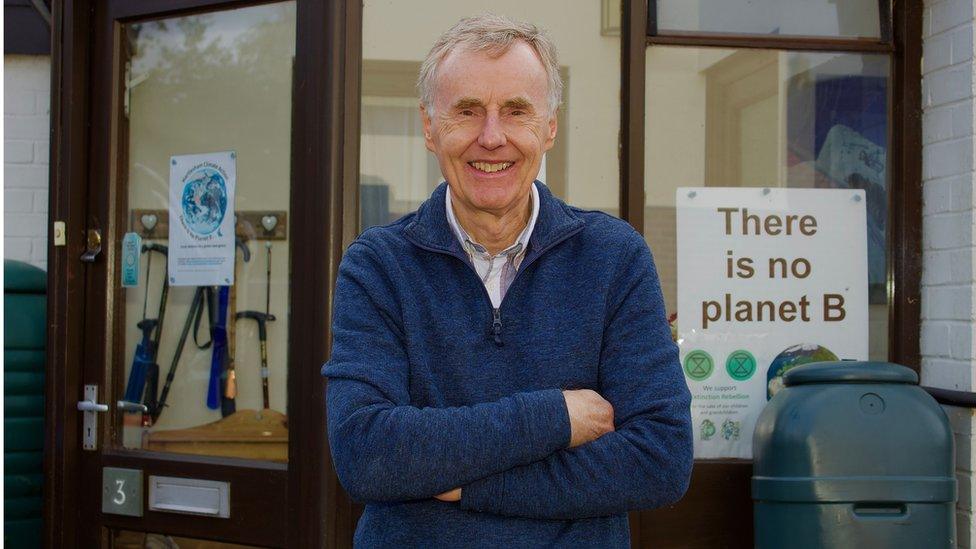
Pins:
x: 122, y: 491
x: 119, y: 498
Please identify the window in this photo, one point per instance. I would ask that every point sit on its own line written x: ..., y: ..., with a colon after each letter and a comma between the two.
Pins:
x: 767, y: 118
x: 833, y: 18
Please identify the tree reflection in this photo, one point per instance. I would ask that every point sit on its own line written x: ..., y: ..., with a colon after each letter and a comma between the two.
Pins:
x: 239, y: 51
x: 211, y: 82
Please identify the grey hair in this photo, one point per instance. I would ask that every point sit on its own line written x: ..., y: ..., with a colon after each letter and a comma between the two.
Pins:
x: 493, y: 34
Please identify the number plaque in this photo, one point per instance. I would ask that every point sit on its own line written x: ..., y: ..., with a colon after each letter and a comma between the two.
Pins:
x: 122, y: 491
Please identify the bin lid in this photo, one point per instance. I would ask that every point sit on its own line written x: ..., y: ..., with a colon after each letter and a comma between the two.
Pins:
x: 19, y: 277
x: 847, y: 371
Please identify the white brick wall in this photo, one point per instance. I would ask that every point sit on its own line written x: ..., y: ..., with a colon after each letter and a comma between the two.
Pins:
x: 949, y: 227
x: 26, y: 122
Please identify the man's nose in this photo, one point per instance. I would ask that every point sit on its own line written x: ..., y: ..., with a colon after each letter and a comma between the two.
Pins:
x: 492, y: 134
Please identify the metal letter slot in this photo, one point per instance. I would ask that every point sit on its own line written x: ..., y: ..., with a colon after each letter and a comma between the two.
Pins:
x: 189, y: 496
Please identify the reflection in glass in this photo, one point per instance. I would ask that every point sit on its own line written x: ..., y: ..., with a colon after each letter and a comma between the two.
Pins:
x: 124, y: 539
x: 396, y: 171
x: 833, y: 18
x: 198, y: 84
x: 757, y: 118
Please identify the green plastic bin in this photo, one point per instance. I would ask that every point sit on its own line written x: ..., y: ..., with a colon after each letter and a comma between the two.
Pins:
x: 853, y: 455
x: 25, y: 308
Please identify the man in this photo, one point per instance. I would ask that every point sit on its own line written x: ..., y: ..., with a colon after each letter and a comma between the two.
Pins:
x: 503, y: 374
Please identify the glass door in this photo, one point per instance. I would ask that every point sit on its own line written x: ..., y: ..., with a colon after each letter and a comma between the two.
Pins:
x: 200, y: 401
x: 208, y: 109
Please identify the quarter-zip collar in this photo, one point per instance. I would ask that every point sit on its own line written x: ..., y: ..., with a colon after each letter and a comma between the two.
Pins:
x: 521, y: 241
x: 430, y: 228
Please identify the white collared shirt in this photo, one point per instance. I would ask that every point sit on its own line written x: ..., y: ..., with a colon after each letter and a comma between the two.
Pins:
x: 496, y: 271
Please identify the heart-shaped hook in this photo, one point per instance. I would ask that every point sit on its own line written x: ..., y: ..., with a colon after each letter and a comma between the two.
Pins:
x: 149, y: 221
x: 269, y: 222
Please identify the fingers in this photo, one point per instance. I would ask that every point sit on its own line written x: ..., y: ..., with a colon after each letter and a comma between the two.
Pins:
x: 590, y: 415
x: 450, y: 495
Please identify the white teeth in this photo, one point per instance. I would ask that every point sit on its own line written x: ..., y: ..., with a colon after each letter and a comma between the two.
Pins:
x: 489, y: 167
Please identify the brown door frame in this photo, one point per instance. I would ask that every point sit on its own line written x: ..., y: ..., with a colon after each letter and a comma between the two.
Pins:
x: 66, y: 276
x: 302, y: 497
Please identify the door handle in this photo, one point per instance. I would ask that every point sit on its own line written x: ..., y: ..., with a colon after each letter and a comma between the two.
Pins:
x: 91, y: 407
x: 131, y: 407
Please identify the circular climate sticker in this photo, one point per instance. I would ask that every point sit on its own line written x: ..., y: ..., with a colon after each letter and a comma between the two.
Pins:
x: 740, y: 365
x: 698, y: 365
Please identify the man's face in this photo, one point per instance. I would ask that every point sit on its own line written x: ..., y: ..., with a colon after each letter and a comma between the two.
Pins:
x: 490, y: 126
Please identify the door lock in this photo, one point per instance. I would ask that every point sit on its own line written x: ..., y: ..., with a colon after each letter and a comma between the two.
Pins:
x: 90, y: 407
x: 94, y: 246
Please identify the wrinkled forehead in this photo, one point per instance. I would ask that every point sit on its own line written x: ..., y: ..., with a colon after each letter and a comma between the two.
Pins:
x: 495, y: 74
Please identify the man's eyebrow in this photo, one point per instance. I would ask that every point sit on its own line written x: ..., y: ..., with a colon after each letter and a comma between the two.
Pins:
x: 467, y: 103
x: 513, y: 103
x: 518, y: 103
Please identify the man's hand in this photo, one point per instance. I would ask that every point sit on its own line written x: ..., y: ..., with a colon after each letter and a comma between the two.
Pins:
x: 453, y: 495
x: 590, y: 416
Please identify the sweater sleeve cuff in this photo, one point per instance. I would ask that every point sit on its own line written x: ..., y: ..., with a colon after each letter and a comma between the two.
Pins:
x: 547, y: 419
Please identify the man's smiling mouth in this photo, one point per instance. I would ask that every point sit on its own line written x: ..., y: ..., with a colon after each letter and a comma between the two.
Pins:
x: 490, y: 167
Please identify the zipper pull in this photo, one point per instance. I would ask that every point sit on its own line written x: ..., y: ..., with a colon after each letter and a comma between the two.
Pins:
x: 496, y: 326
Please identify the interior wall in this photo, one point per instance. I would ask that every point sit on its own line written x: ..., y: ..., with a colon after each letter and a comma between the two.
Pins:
x: 593, y: 63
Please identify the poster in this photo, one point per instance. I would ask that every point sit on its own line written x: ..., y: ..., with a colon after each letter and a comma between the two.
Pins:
x: 768, y: 279
x: 201, y: 219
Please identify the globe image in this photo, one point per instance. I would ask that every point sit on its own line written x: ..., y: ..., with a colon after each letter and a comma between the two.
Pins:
x: 790, y: 358
x: 204, y: 201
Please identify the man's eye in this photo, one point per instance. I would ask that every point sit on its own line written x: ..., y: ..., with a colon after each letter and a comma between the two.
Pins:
x: 518, y: 113
x: 467, y: 112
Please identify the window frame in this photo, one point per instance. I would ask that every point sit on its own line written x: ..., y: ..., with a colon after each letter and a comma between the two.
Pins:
x: 884, y: 43
x: 901, y: 31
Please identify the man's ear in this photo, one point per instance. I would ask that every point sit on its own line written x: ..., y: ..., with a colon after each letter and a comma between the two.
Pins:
x: 425, y: 117
x: 553, y: 126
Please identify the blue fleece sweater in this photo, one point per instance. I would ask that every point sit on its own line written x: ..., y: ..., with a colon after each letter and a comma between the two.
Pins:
x: 430, y: 388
